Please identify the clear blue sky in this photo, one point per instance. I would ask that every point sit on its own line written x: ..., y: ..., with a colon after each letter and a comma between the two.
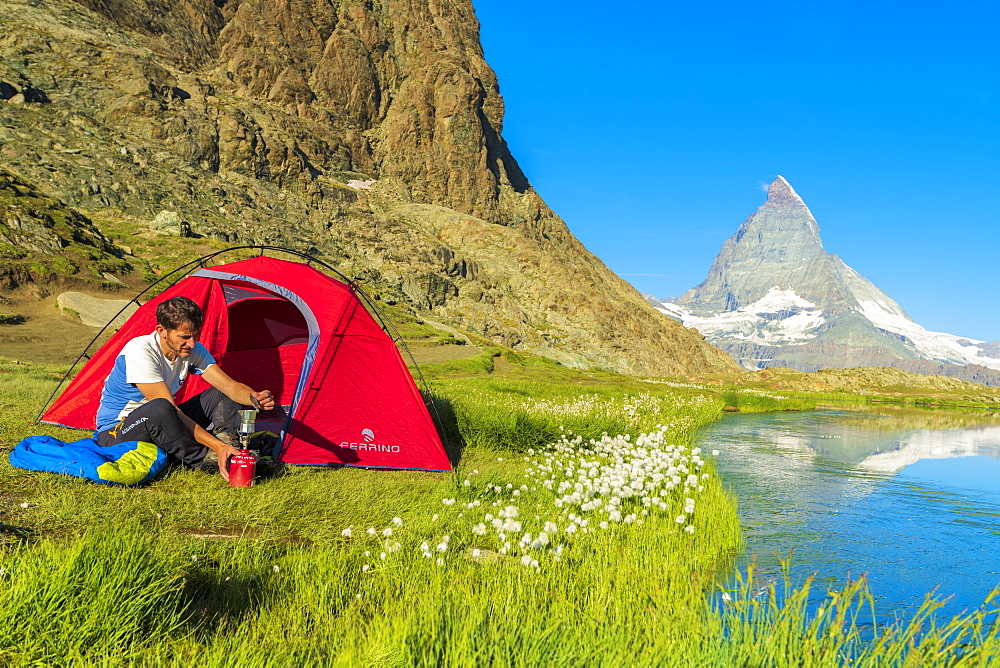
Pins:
x: 649, y: 127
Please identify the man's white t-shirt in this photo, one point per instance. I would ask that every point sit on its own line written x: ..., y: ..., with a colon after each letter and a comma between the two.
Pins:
x: 142, y: 361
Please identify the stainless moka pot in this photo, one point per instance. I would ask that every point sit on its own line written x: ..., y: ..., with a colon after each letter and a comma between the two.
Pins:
x: 247, y: 428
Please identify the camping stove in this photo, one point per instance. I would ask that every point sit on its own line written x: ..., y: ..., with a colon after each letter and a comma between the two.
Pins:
x: 243, y: 465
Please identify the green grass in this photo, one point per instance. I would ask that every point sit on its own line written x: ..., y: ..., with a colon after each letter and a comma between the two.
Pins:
x: 187, y: 571
x: 757, y: 401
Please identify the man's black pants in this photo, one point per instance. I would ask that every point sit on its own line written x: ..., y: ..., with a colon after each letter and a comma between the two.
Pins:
x: 157, y: 421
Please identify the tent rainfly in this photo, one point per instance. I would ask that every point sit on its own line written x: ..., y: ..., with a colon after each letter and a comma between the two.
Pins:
x: 286, y: 327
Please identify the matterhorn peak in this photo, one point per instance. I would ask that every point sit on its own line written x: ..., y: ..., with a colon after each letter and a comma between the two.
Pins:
x: 781, y: 193
x: 775, y: 297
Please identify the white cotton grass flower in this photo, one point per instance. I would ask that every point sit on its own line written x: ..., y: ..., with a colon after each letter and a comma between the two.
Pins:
x: 476, y: 553
x: 364, y: 569
x: 387, y: 532
x: 372, y: 531
x: 347, y: 533
x: 604, y: 481
x: 689, y: 528
x: 397, y: 521
x: 24, y: 505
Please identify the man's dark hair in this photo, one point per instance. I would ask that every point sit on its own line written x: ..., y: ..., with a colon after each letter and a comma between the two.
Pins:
x: 177, y: 311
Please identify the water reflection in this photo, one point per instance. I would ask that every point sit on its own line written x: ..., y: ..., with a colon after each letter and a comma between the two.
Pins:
x: 912, y: 498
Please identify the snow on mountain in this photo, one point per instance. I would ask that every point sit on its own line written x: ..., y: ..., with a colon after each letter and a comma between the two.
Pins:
x: 780, y: 316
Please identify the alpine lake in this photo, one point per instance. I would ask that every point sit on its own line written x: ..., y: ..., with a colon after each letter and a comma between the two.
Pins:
x: 909, y: 498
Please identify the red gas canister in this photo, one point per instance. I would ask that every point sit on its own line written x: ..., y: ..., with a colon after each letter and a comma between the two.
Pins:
x: 241, y: 469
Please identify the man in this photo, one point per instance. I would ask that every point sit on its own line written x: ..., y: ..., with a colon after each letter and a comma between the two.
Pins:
x: 137, y: 403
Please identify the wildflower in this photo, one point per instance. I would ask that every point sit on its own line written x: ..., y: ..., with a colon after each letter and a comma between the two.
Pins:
x: 689, y: 528
x: 194, y: 557
x: 394, y: 547
x: 681, y: 519
x: 466, y: 482
x: 364, y: 569
x: 603, y: 525
x: 24, y: 505
x: 479, y: 529
x: 346, y: 533
x: 434, y: 517
x: 372, y: 531
x: 439, y: 561
x: 476, y: 553
x: 442, y: 547
x: 381, y: 555
x: 398, y: 521
x: 448, y: 502
x: 715, y: 453
x: 387, y: 532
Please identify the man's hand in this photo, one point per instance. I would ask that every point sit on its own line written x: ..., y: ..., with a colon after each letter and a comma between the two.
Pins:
x: 224, y: 454
x: 264, y: 398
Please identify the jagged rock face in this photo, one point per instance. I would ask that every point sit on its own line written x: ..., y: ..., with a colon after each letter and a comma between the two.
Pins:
x: 366, y: 133
x: 775, y: 297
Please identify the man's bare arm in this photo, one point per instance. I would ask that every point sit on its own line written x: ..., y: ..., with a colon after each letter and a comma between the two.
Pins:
x: 238, y: 392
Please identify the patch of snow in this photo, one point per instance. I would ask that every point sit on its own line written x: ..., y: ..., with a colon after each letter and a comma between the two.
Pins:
x: 935, y: 346
x: 746, y: 324
x: 777, y: 299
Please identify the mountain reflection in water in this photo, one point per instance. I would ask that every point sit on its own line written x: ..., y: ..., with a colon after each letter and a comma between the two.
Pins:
x: 909, y: 497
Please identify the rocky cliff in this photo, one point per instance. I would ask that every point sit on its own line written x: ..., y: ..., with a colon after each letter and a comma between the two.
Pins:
x: 774, y: 297
x: 367, y: 133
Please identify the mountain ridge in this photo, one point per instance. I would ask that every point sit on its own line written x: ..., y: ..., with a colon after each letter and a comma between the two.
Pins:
x: 368, y: 135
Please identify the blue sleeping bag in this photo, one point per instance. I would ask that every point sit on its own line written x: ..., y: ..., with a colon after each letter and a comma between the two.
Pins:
x: 129, y: 463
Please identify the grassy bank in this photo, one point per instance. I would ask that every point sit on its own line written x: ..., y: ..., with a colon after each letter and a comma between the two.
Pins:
x: 579, y: 526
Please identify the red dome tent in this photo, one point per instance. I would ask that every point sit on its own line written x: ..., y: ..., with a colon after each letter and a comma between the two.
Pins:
x: 287, y: 327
